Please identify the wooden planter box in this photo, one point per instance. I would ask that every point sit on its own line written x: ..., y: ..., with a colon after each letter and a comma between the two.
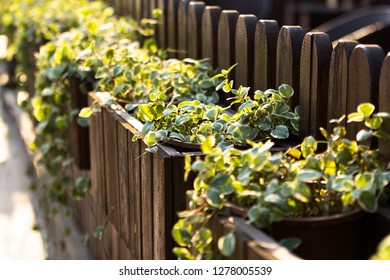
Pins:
x: 139, y: 193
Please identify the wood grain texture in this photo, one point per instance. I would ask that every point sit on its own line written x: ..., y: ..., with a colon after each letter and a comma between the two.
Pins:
x: 194, y: 29
x: 147, y: 204
x: 182, y: 29
x: 138, y: 9
x: 162, y: 206
x: 123, y: 180
x: 315, y: 61
x: 266, y: 39
x: 288, y: 58
x: 227, y: 39
x: 135, y: 197
x: 363, y: 80
x: 162, y: 27
x: 384, y: 104
x: 245, y: 41
x: 338, y: 80
x: 111, y: 164
x: 172, y: 24
x: 210, y: 22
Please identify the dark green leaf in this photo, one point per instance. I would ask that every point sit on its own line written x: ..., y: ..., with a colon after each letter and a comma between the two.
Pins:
x: 227, y: 244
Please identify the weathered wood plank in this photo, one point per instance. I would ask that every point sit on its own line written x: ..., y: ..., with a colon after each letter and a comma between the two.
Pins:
x: 138, y: 6
x: 123, y: 166
x: 182, y: 29
x: 162, y: 29
x: 98, y: 179
x: 162, y: 206
x: 338, y: 80
x: 314, y: 82
x: 111, y: 164
x: 227, y: 39
x: 384, y: 105
x: 363, y: 80
x: 245, y: 39
x: 147, y: 204
x: 210, y: 34
x: 288, y: 58
x: 266, y: 39
x: 172, y: 23
x: 194, y: 29
x: 135, y: 197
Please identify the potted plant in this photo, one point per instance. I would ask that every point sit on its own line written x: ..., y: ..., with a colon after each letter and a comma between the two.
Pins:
x: 266, y: 115
x: 331, y: 179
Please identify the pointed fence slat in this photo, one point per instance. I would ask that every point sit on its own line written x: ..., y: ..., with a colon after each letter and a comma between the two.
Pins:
x: 245, y: 43
x: 194, y: 29
x: 313, y: 92
x: 384, y: 105
x: 363, y: 80
x: 288, y: 58
x: 210, y: 22
x: 266, y: 39
x: 338, y: 80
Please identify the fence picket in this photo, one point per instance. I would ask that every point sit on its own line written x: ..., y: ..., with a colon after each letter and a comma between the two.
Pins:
x: 172, y: 23
x: 162, y: 27
x: 314, y: 81
x: 338, y: 80
x: 194, y: 29
x: 210, y: 34
x: 245, y: 42
x: 226, y: 39
x: 266, y: 39
x: 363, y: 80
x: 182, y: 29
x: 384, y: 105
x: 288, y: 58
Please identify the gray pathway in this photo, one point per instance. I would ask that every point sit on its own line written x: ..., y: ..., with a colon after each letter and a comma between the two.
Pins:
x: 17, y: 216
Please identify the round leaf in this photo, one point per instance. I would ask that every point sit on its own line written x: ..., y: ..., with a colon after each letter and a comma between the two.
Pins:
x: 227, y: 244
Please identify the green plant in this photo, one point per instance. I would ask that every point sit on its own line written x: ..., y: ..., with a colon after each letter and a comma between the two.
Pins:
x: 267, y: 115
x: 316, y: 178
x: 383, y: 250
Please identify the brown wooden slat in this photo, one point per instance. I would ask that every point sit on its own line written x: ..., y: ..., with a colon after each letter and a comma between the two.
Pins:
x: 182, y: 29
x: 194, y: 29
x: 135, y: 198
x: 210, y: 34
x: 363, y: 80
x: 245, y: 38
x: 111, y: 164
x: 315, y: 61
x: 288, y: 58
x: 172, y: 23
x: 98, y: 178
x: 147, y: 204
x: 138, y: 9
x: 266, y: 39
x: 162, y: 206
x: 162, y: 29
x: 227, y: 39
x: 338, y: 80
x: 146, y: 13
x: 123, y: 166
x: 384, y: 104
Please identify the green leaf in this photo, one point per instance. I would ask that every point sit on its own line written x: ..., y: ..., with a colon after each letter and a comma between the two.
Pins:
x: 260, y: 216
x: 355, y: 117
x: 222, y: 182
x: 309, y: 146
x: 368, y: 201
x: 227, y: 244
x: 182, y: 253
x: 307, y: 175
x: 280, y: 132
x: 151, y: 139
x: 291, y: 243
x: 85, y: 112
x: 286, y: 91
x: 374, y: 123
x: 365, y: 180
x: 363, y: 135
x: 294, y: 152
x: 146, y: 128
x: 213, y: 197
x: 181, y: 236
x: 211, y: 114
x: 208, y: 145
x: 248, y: 104
x: 366, y: 109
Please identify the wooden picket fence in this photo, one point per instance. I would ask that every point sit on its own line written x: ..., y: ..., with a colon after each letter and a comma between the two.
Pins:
x: 136, y: 195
